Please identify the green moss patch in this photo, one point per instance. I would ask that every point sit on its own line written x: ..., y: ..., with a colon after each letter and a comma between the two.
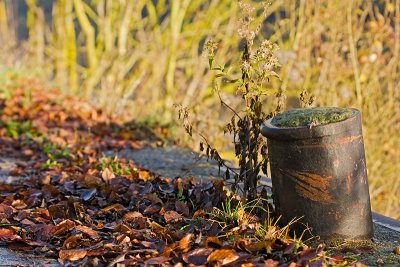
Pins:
x: 311, y: 116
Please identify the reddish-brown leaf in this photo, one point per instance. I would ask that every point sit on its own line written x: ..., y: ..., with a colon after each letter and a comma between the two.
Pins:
x: 130, y: 216
x: 308, y: 254
x: 144, y: 175
x: 157, y: 260
x: 114, y: 207
x: 198, y: 256
x: 7, y: 210
x: 184, y: 243
x: 172, y: 216
x: 213, y: 242
x: 72, y: 254
x: 8, y: 235
x: 223, y: 256
x: 182, y: 208
x: 87, y: 230
x: 107, y: 174
x: 17, y: 171
x: 27, y: 222
x: 198, y: 213
x: 152, y: 209
x: 258, y: 246
x: 72, y: 241
x: 19, y: 204
x: 64, y: 226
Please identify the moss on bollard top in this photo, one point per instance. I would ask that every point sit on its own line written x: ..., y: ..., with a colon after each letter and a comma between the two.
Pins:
x: 311, y: 116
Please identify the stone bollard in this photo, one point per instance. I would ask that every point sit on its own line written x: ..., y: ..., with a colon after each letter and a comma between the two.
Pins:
x: 319, y: 172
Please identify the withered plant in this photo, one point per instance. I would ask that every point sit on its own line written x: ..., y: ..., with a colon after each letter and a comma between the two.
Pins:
x: 256, y: 67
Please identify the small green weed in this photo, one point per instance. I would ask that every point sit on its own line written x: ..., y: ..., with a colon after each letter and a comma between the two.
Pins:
x: 234, y: 212
x: 113, y: 163
x: 53, y: 151
x: 17, y: 128
x: 50, y: 164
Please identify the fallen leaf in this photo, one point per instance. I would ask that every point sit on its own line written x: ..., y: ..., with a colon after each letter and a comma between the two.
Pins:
x: 119, y: 258
x: 152, y: 209
x: 213, y: 242
x: 88, y: 194
x: 181, y: 207
x: 64, y: 226
x: 184, y: 243
x: 397, y: 250
x: 72, y: 254
x: 113, y: 208
x: 144, y: 175
x: 107, y: 174
x: 7, y: 210
x: 223, y: 256
x: 157, y: 260
x: 8, y: 235
x: 72, y: 241
x: 17, y: 171
x: 87, y: 230
x: 130, y: 216
x: 198, y: 256
x: 19, y: 204
x: 172, y: 216
x: 271, y: 263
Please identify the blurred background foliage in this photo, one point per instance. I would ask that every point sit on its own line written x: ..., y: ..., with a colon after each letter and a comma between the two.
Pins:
x: 139, y: 57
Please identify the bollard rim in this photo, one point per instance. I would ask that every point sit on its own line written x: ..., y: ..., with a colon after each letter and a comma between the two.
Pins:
x: 351, y: 124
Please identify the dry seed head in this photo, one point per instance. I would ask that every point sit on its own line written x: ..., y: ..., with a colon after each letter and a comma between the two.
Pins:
x: 246, y: 8
x: 246, y: 66
x: 209, y: 48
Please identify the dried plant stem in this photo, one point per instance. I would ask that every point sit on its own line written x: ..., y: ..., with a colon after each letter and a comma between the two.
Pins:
x: 353, y: 53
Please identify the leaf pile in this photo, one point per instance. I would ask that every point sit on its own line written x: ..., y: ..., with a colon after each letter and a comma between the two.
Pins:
x: 75, y: 204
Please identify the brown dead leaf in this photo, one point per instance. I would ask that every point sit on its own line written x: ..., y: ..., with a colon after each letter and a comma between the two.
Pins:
x: 6, y: 209
x: 72, y: 241
x: 27, y: 222
x: 213, y: 242
x: 144, y: 175
x: 157, y: 260
x: 182, y: 208
x: 19, y: 204
x: 308, y: 254
x: 271, y: 263
x: 107, y: 174
x: 172, y: 216
x: 72, y: 254
x: 397, y: 250
x: 130, y: 216
x: 199, y: 213
x: 184, y: 243
x: 198, y: 256
x: 64, y: 226
x: 258, y: 246
x: 113, y: 208
x: 17, y: 171
x: 93, y: 181
x: 88, y: 231
x: 8, y: 235
x: 223, y: 256
x: 152, y: 209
